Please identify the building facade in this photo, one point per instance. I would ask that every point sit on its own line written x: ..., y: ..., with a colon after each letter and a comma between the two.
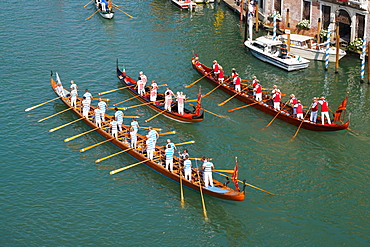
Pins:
x: 352, y: 16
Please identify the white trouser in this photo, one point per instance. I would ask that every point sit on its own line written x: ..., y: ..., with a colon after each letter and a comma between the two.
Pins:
x: 85, y: 112
x: 102, y: 115
x: 98, y: 122
x: 207, y: 177
x: 325, y: 114
x: 167, y: 107
x: 258, y: 96
x: 300, y: 115
x: 277, y: 106
x: 313, y: 116
x: 153, y: 98
x: 169, y: 163
x: 187, y: 174
x: 237, y: 88
x: 150, y: 153
x: 119, y: 124
x: 115, y: 134
x: 73, y: 101
x: 180, y: 109
x: 133, y: 141
x: 141, y: 91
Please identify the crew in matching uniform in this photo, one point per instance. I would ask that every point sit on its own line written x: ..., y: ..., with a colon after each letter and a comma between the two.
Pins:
x: 97, y: 117
x: 237, y: 82
x: 143, y: 78
x: 113, y: 124
x: 73, y: 85
x: 216, y: 69
x: 140, y: 86
x: 153, y: 134
x: 150, y: 147
x: 88, y: 96
x: 221, y: 76
x: 187, y: 168
x: 299, y: 110
x: 172, y: 144
x: 60, y: 90
x: 197, y: 63
x: 119, y: 116
x: 74, y: 95
x: 168, y: 90
x: 169, y: 157
x: 207, y: 172
x: 167, y: 101
x: 180, y: 102
x: 135, y: 125
x: 324, y: 110
x: 85, y: 107
x: 276, y: 96
x: 293, y: 101
x: 153, y: 91
x: 102, y: 105
x: 133, y: 137
x: 258, y: 91
x: 314, y: 109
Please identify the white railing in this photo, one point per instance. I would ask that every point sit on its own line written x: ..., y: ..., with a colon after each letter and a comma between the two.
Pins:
x: 362, y: 3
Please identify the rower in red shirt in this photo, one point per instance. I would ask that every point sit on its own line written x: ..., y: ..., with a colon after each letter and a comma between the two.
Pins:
x: 293, y: 102
x: 237, y: 82
x: 258, y: 91
x: 324, y: 110
x: 299, y: 110
x: 221, y: 76
x: 216, y: 69
x: 276, y: 96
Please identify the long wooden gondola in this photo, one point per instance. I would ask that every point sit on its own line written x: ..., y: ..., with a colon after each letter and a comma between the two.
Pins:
x: 219, y: 190
x: 196, y: 115
x: 286, y: 115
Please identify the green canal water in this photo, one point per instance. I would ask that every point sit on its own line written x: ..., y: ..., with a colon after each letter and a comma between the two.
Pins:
x: 53, y: 195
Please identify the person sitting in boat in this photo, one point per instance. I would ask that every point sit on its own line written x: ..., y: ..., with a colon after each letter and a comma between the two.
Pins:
x: 169, y: 157
x: 299, y: 110
x: 207, y: 172
x: 180, y: 102
x: 284, y: 50
x: 140, y: 86
x: 60, y: 90
x: 187, y: 168
x: 197, y: 63
x: 110, y: 5
x: 104, y: 5
x: 294, y: 103
x: 168, y: 101
x: 216, y: 69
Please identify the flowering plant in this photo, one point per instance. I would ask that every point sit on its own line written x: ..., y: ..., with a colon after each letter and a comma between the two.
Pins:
x: 304, y: 24
x: 271, y: 16
x: 356, y: 44
x: 324, y: 34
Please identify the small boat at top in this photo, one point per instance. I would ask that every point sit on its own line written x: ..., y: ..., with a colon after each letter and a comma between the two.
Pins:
x: 266, y: 106
x: 189, y: 116
x: 219, y: 190
x: 187, y: 4
x: 302, y: 45
x: 105, y: 10
x: 204, y: 1
x: 269, y: 51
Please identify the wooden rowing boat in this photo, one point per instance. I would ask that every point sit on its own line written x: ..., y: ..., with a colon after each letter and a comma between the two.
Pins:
x: 246, y: 96
x: 104, y: 12
x: 187, y: 117
x: 219, y: 190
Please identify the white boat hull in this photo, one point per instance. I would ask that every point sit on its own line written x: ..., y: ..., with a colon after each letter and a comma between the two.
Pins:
x: 105, y: 15
x: 204, y: 1
x: 319, y: 54
x: 289, y: 64
x: 184, y: 4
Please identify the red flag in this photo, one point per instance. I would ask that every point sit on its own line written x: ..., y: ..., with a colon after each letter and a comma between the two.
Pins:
x: 197, y: 109
x: 235, y: 175
x: 340, y: 109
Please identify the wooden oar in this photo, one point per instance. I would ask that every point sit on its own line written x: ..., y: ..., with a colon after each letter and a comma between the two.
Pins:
x: 147, y: 103
x: 210, y: 112
x: 157, y: 129
x: 95, y: 145
x: 119, y: 108
x: 84, y: 133
x: 227, y: 171
x: 207, y: 94
x: 247, y: 184
x: 240, y: 107
x: 246, y: 80
x: 127, y: 167
x: 33, y: 107
x: 64, y: 125
x: 275, y: 116
x: 127, y: 100
x: 92, y: 15
x: 54, y: 114
x: 192, y: 84
x: 109, y: 156
x: 201, y: 194
x: 101, y: 99
x: 124, y: 12
x: 88, y: 3
x: 222, y: 103
x: 181, y: 191
x: 168, y: 133
x: 156, y: 115
x: 113, y: 90
x: 191, y: 100
x: 184, y: 143
x: 299, y: 127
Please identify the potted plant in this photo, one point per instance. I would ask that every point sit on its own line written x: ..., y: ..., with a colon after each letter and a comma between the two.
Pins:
x: 355, y: 45
x: 270, y: 17
x: 323, y: 35
x: 304, y: 25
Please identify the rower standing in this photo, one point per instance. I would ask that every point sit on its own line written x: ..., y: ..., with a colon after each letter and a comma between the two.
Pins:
x: 102, y: 105
x: 180, y: 103
x: 167, y: 101
x: 221, y: 76
x: 150, y: 147
x: 187, y: 168
x: 172, y: 144
x: 216, y: 69
x: 153, y: 91
x: 135, y: 125
x: 74, y: 95
x: 133, y: 137
x: 140, y: 86
x: 324, y: 110
x: 143, y: 78
x: 153, y: 134
x: 169, y: 157
x: 88, y: 96
x: 293, y: 101
x: 184, y: 154
x: 314, y: 109
x: 276, y: 96
x: 73, y: 85
x: 86, y: 107
x: 168, y: 90
x: 113, y: 124
x: 97, y: 117
x: 119, y: 116
x: 237, y: 82
x: 299, y: 110
x: 254, y: 84
x: 258, y: 91
x: 207, y: 172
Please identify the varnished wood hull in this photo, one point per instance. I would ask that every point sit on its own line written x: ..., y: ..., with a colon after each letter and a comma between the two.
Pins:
x: 228, y: 193
x: 285, y: 115
x: 188, y: 117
